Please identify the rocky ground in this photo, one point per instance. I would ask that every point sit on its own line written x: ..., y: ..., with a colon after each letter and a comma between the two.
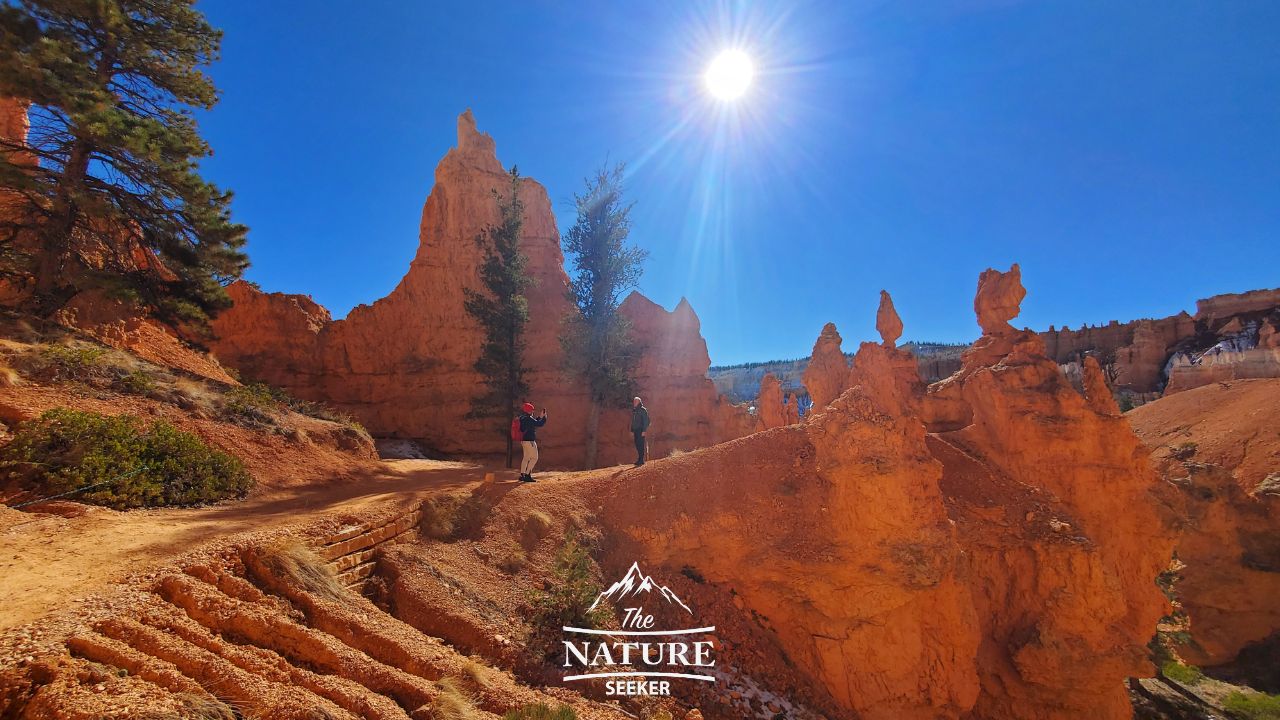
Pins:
x: 981, y: 548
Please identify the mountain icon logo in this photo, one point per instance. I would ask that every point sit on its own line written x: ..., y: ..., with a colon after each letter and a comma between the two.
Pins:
x: 636, y: 583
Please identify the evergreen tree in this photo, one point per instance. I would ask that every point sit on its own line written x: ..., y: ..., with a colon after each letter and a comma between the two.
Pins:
x: 503, y: 311
x: 113, y: 85
x: 596, y: 342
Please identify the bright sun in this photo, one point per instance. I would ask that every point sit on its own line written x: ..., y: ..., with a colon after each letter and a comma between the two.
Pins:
x: 729, y: 75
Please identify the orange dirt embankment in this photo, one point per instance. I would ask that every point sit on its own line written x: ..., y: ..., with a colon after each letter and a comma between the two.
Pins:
x: 254, y: 622
x: 49, y: 560
x: 1218, y: 449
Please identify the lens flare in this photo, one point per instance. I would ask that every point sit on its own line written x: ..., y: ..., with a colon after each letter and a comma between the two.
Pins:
x: 729, y: 75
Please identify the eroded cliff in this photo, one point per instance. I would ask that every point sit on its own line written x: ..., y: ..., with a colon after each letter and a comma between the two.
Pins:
x: 404, y: 365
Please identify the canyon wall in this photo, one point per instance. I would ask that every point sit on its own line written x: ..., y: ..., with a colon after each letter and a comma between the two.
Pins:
x: 403, y: 366
x: 1232, y: 336
x: 985, y: 548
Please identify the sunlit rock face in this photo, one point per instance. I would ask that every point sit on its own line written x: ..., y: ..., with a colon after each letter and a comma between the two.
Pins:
x: 1216, y: 447
x: 828, y: 370
x: 991, y: 558
x: 771, y: 412
x: 1231, y: 337
x: 404, y: 365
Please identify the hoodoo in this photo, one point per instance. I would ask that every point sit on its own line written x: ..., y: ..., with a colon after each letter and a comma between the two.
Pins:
x: 1003, y: 567
x: 404, y: 365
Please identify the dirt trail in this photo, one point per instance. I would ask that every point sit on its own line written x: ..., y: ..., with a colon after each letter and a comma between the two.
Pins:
x: 48, y: 561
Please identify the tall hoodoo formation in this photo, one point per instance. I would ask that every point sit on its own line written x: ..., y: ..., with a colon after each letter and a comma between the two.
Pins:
x: 404, y: 365
x: 770, y: 410
x: 791, y: 410
x: 1002, y: 566
x: 888, y: 324
x: 1066, y: 588
x: 828, y: 369
x: 998, y: 300
x: 1096, y: 390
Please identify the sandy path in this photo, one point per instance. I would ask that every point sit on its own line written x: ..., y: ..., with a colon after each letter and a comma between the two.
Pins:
x: 48, y: 561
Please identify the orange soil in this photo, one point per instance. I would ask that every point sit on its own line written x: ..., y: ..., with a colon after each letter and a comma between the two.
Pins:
x: 1234, y: 424
x: 47, y: 561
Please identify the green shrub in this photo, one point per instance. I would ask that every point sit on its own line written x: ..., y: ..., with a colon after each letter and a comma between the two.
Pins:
x: 322, y: 412
x: 568, y: 598
x: 1185, y: 674
x: 73, y: 362
x: 257, y: 404
x: 137, y: 382
x: 254, y: 404
x: 1255, y: 706
x: 141, y: 466
x: 541, y: 711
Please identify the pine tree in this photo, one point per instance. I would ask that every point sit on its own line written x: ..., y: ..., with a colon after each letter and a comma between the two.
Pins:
x: 596, y: 342
x: 112, y: 86
x: 502, y: 310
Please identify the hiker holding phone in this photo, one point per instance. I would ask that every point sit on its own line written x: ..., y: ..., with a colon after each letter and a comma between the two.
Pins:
x: 529, y: 439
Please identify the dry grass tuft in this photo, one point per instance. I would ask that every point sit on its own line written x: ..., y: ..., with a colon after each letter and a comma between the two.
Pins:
x: 454, y: 703
x: 541, y: 711
x: 294, y: 561
x: 9, y: 377
x: 440, y: 516
x: 536, y: 526
x: 478, y: 672
x: 205, y: 707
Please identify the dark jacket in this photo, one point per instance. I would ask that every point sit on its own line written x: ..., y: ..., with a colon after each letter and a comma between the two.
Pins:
x: 639, y: 419
x: 529, y: 426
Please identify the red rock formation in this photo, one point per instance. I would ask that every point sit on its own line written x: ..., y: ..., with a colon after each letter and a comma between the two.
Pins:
x: 999, y: 296
x: 404, y: 365
x: 888, y: 324
x: 14, y: 125
x: 684, y: 407
x: 1228, y: 338
x: 791, y: 410
x: 770, y: 412
x: 1063, y: 585
x: 125, y: 326
x: 1216, y: 448
x: 828, y: 370
x: 1222, y: 306
x: 1249, y: 349
x: 1003, y: 568
x: 834, y: 531
x: 1096, y: 390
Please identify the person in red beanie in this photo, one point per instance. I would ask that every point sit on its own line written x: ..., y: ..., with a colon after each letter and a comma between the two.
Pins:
x: 529, y: 439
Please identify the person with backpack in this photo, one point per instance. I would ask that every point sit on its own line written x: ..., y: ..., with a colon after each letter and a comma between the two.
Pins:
x: 639, y: 425
x: 526, y: 427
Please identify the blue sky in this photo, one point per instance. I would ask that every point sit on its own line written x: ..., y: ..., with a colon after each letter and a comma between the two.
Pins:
x: 1127, y: 154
